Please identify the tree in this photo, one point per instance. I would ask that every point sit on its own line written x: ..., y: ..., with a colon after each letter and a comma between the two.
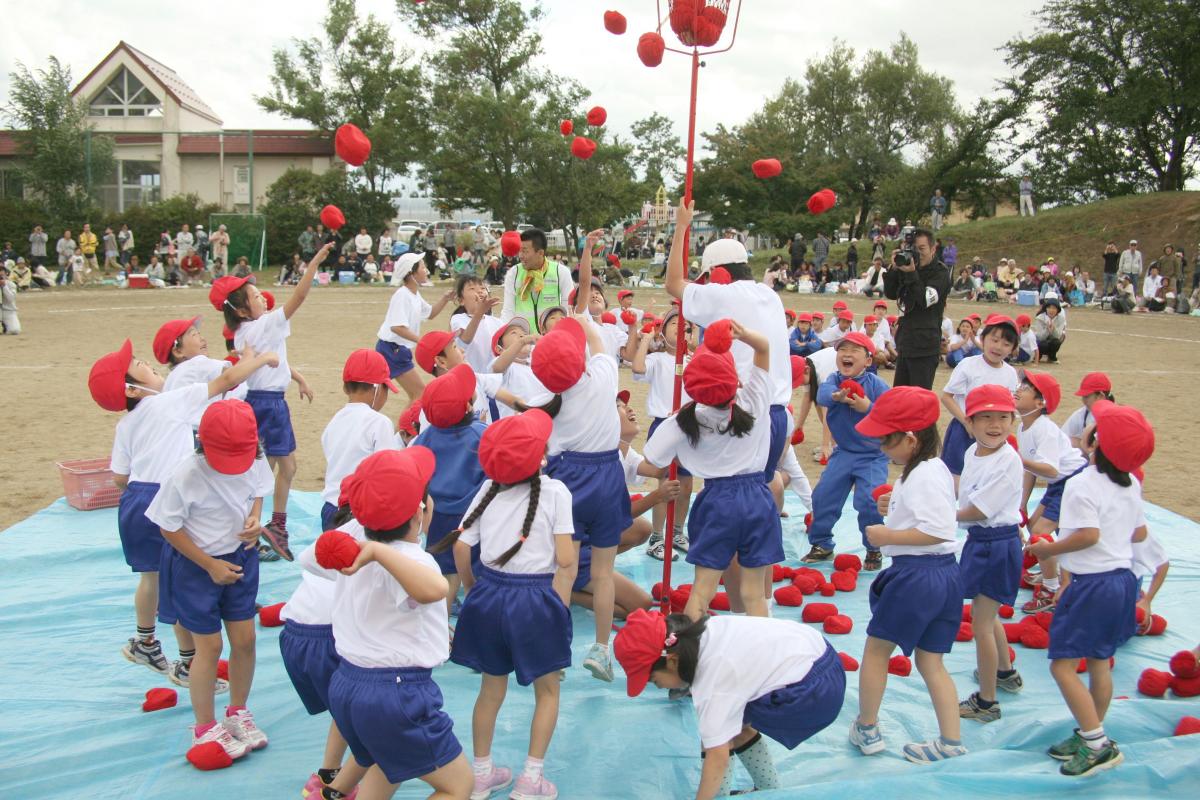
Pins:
x: 354, y: 74
x: 61, y: 157
x: 295, y: 201
x: 1115, y: 90
x: 657, y: 152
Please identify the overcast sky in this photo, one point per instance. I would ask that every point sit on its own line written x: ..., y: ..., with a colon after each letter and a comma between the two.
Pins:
x: 222, y: 48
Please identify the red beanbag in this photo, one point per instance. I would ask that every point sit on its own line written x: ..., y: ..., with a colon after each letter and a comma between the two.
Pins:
x: 614, y: 22
x: 1154, y: 682
x: 597, y: 116
x: 1012, y: 632
x: 817, y: 612
x: 845, y: 580
x: 1158, y: 625
x: 608, y: 318
x: 880, y: 491
x: 720, y: 602
x: 657, y: 591
x: 1012, y: 441
x: 900, y: 665
x: 810, y: 572
x: 828, y: 589
x: 1043, y: 619
x: 332, y: 217
x: 1185, y: 687
x: 849, y: 662
x: 336, y: 550
x: 1006, y: 612
x: 965, y: 632
x: 789, y: 596
x: 1033, y: 637
x: 718, y: 336
x: 566, y: 127
x: 650, y: 48
x: 852, y: 388
x: 808, y: 516
x: 209, y: 755
x: 679, y: 598
x: 222, y: 669
x: 1081, y: 667
x: 807, y: 584
x: 352, y: 145
x: 158, y: 699
x: 1012, y: 655
x: 628, y: 317
x: 838, y: 623
x: 583, y: 147
x: 779, y: 573
x: 1185, y: 665
x: 268, y: 616
x: 845, y: 561
x: 966, y: 613
x: 797, y: 436
x: 766, y: 168
x: 1187, y: 726
x: 510, y: 243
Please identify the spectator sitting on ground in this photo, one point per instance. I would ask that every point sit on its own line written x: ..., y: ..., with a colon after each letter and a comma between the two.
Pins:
x: 242, y: 268
x: 1153, y: 290
x: 290, y: 273
x: 192, y: 266
x: 1087, y: 286
x: 988, y: 292
x: 42, y: 278
x: 1072, y: 292
x: 963, y: 287
x: 370, y: 270
x: 1124, y: 298
x: 155, y: 271
x: 387, y: 268
x: 872, y: 283
x: 824, y: 279
x: 174, y: 273
x: 1050, y: 329
x: 22, y: 276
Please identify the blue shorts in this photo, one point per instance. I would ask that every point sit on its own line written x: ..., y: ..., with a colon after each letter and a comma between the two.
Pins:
x: 954, y: 446
x: 734, y: 515
x: 1051, y: 501
x: 187, y: 595
x: 274, y: 422
x: 683, y: 473
x: 990, y: 563
x: 399, y: 358
x: 799, y: 711
x: 917, y: 602
x: 513, y: 623
x: 1022, y: 356
x: 1094, y: 616
x: 584, y: 575
x: 779, y: 435
x: 439, y: 525
x: 393, y: 718
x: 310, y: 660
x: 328, y: 510
x: 141, y: 540
x: 599, y: 500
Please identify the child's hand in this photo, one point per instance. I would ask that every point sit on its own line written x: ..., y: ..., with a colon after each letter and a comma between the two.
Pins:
x: 668, y: 491
x: 881, y: 505
x: 736, y: 330
x: 685, y: 212
x: 1039, y: 549
x: 366, y: 555
x: 859, y: 403
x: 595, y: 236
x: 306, y: 391
x: 486, y: 307
x: 448, y: 296
x: 223, y: 573
x: 324, y: 251
x: 528, y: 338
x: 1144, y: 604
x: 251, y: 530
x: 877, y: 534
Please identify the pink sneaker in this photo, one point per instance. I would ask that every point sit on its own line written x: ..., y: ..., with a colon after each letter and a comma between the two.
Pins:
x: 541, y: 789
x: 499, y: 778
x: 314, y: 786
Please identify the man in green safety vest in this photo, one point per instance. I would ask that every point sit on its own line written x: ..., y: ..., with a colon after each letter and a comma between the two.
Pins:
x: 535, y: 284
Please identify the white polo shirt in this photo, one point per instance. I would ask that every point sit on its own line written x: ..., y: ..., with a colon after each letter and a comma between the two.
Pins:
x: 202, y: 369
x: 499, y: 527
x: 924, y: 501
x: 478, y: 351
x: 630, y: 463
x: 973, y: 372
x: 152, y: 440
x: 355, y: 432
x: 588, y: 421
x: 312, y: 601
x: 660, y: 376
x: 406, y: 308
x: 268, y: 333
x: 1045, y: 442
x: 1148, y: 556
x: 1091, y: 500
x: 993, y: 484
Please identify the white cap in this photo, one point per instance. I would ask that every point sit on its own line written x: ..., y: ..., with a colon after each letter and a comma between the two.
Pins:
x: 1133, y: 241
x: 404, y: 265
x: 722, y: 252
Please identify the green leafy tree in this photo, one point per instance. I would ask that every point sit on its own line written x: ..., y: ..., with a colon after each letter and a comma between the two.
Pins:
x: 657, y: 152
x: 353, y: 73
x: 61, y: 157
x: 295, y: 200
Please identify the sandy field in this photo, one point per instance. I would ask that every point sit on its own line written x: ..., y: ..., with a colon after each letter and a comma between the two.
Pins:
x: 1154, y: 361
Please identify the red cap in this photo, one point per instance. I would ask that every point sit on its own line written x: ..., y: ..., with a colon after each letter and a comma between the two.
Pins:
x: 515, y: 322
x: 390, y: 487
x: 367, y: 366
x: 893, y: 319
x: 818, y: 315
x: 169, y: 334
x: 870, y: 319
x: 447, y: 398
x: 407, y: 421
x: 845, y: 314
x: 989, y: 397
x: 840, y: 305
x: 976, y: 316
x: 431, y: 345
x: 903, y: 408
x: 711, y: 378
x: 1023, y: 320
x: 106, y: 381
x: 638, y: 646
x: 269, y: 299
x: 804, y: 316
x: 222, y: 288
x: 1047, y: 387
x: 881, y: 304
x: 608, y: 318
x: 720, y: 275
x: 511, y: 450
x: 623, y: 396
x: 621, y: 295
x: 559, y: 360
x: 229, y: 434
x: 1000, y: 319
x: 1093, y: 383
x: 791, y: 315
x: 860, y: 339
x: 799, y: 370
x: 1123, y: 435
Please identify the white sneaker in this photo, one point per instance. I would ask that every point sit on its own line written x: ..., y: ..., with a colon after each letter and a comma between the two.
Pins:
x: 598, y: 663
x: 241, y: 726
x: 221, y: 735
x: 178, y: 675
x: 680, y: 541
x: 868, y: 740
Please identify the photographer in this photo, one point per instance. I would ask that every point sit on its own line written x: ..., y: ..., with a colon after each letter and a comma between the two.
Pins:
x: 919, y: 283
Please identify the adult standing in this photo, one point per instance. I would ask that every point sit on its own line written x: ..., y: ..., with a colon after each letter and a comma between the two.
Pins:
x: 88, y: 244
x: 37, y: 247
x: 535, y: 283
x: 385, y: 244
x: 820, y: 250
x: 185, y: 243
x: 111, y: 250
x: 307, y: 242
x: 203, y: 245
x: 1130, y: 264
x: 919, y: 284
x: 1112, y: 257
x: 125, y: 242
x: 1169, y: 268
x: 937, y: 209
x: 1025, y: 190
x: 362, y: 249
x: 220, y: 250
x: 852, y: 259
x: 797, y: 250
x: 65, y: 248
x: 430, y: 246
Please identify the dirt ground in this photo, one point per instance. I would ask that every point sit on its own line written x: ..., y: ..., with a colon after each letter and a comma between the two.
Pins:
x: 1154, y: 361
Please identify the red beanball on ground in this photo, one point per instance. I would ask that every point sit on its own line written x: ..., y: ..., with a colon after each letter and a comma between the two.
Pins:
x: 849, y: 662
x: 1154, y: 682
x: 900, y: 665
x: 817, y: 612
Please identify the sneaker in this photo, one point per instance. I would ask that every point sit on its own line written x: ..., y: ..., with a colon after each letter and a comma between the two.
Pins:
x: 971, y: 709
x: 221, y: 735
x: 265, y: 553
x: 1032, y: 578
x: 499, y: 778
x: 817, y: 554
x: 874, y: 561
x: 277, y: 537
x: 932, y: 751
x: 241, y: 726
x: 656, y: 548
x: 1012, y: 684
x: 1086, y: 760
x: 1043, y: 600
x: 178, y: 675
x: 679, y: 542
x: 314, y: 787
x: 527, y: 789
x: 598, y: 663
x: 1065, y: 750
x: 869, y: 740
x: 148, y: 653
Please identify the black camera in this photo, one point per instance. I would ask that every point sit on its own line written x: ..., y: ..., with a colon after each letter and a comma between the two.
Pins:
x: 904, y: 255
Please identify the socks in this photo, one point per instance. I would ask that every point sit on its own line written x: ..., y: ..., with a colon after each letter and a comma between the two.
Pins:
x: 145, y: 635
x: 205, y: 728
x: 984, y: 704
x: 533, y: 768
x: 482, y: 766
x: 328, y: 793
x: 950, y: 742
x: 327, y: 775
x: 279, y: 520
x: 231, y: 711
x: 1005, y: 673
x: 757, y: 760
x: 1050, y: 584
x: 186, y: 656
x: 1094, y: 739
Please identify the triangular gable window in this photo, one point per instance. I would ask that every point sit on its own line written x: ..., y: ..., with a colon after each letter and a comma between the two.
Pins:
x: 125, y: 96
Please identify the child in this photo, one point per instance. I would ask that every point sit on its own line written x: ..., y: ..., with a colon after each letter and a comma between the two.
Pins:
x: 916, y: 603
x: 818, y: 324
x: 990, y: 566
x: 549, y: 318
x: 402, y: 324
x: 246, y: 314
x: 8, y: 304
x: 389, y: 627
x: 748, y: 677
x: 208, y: 510
x: 149, y: 443
x: 856, y: 462
x: 962, y: 344
x: 845, y: 325
x: 885, y: 350
x: 512, y: 345
x: 803, y: 340
x: 625, y: 301
x: 358, y: 429
x: 997, y: 342
x: 1094, y: 386
x: 1028, y: 349
x: 1102, y: 515
x: 179, y: 345
x: 885, y: 326
x: 658, y: 370
x: 438, y: 352
x: 1046, y: 453
x: 723, y: 436
x: 516, y: 618
x: 473, y: 322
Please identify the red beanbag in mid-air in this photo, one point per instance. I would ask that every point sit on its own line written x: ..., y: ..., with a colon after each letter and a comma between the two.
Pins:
x: 766, y: 168
x: 332, y: 217
x: 583, y: 148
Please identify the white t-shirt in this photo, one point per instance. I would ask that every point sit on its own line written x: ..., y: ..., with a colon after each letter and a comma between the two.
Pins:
x: 406, y: 308
x: 1028, y: 342
x: 210, y: 506
x: 268, y: 333
x: 756, y: 307
x: 312, y: 601
x: 639, y: 313
x: 1078, y: 420
x: 478, y: 351
x: 630, y: 462
x: 718, y: 455
x: 973, y: 372
x: 202, y: 369
x: 824, y: 361
x: 520, y: 380
x: 377, y: 625
x: 926, y: 502
x: 833, y: 333
x: 992, y: 484
x: 362, y: 244
x: 613, y: 337
x: 588, y: 421
x: 741, y: 659
x: 1091, y: 500
x: 660, y: 375
x: 1148, y: 556
x: 355, y: 432
x: 156, y: 436
x: 947, y: 328
x: 1045, y: 442
x: 880, y: 339
x: 499, y: 527
x: 1151, y: 285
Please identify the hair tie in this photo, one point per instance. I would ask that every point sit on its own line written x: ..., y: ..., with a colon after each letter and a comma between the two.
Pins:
x: 671, y: 640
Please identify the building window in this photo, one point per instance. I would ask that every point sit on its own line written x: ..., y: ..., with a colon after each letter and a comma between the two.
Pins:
x: 125, y: 96
x: 12, y: 185
x: 132, y: 183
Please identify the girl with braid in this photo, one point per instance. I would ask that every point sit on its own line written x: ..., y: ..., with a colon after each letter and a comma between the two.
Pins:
x: 516, y: 614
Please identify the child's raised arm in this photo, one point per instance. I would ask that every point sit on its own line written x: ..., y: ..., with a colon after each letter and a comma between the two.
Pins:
x: 247, y: 364
x: 757, y: 341
x: 421, y: 583
x: 585, y: 272
x: 301, y: 291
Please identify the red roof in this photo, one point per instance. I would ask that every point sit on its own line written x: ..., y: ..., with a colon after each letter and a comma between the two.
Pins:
x: 266, y: 142
x: 8, y: 140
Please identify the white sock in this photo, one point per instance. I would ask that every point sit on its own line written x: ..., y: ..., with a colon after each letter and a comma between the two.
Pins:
x: 533, y: 768
x: 482, y: 766
x: 1050, y: 584
x: 1095, y: 739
